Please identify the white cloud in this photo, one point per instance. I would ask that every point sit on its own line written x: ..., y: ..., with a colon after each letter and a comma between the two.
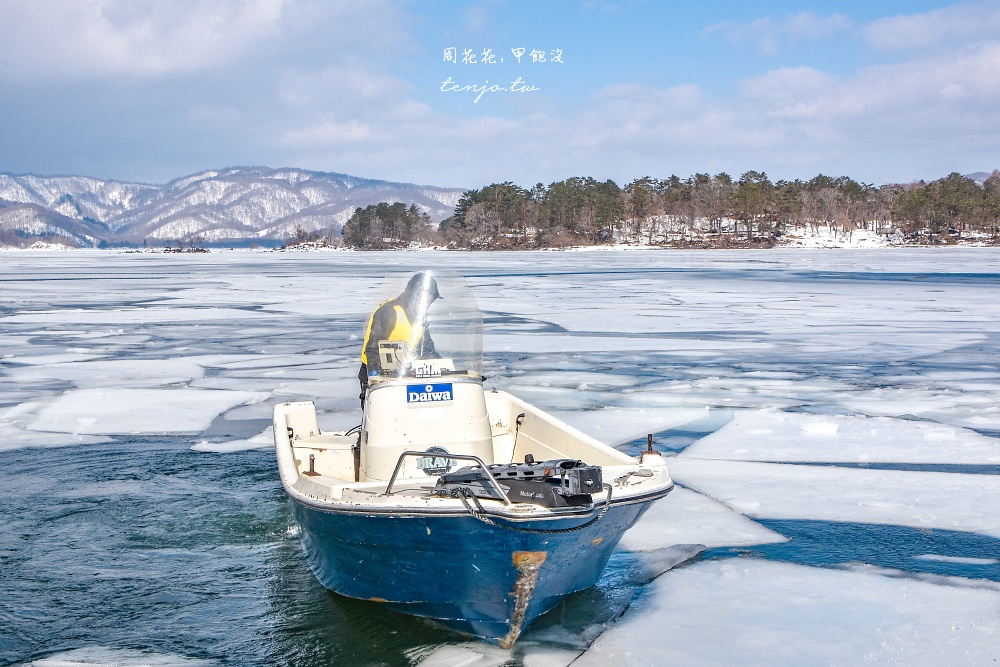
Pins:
x: 809, y: 26
x: 788, y: 92
x: 67, y: 40
x: 914, y: 115
x: 886, y: 122
x: 329, y: 133
x: 948, y: 27
x: 952, y: 91
x: 340, y: 102
x: 475, y: 18
x: 347, y: 104
x: 769, y: 35
x: 354, y: 86
x: 59, y: 38
x: 881, y: 123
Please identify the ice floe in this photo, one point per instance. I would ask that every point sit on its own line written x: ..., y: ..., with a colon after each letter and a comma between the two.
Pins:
x: 773, y: 435
x: 15, y: 437
x: 974, y: 406
x: 151, y: 411
x: 905, y: 498
x: 964, y: 560
x: 617, y: 425
x: 102, y: 656
x: 263, y: 440
x: 687, y: 517
x: 113, y: 373
x: 753, y: 612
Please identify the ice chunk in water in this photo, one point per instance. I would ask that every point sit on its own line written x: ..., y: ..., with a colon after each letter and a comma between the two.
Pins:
x: 115, y: 373
x: 784, y: 491
x: 973, y: 405
x: 338, y: 387
x: 618, y: 425
x: 470, y: 654
x: 794, y: 436
x: 158, y: 315
x: 110, y: 411
x: 101, y: 656
x: 754, y: 612
x: 14, y: 437
x: 687, y: 517
x: 46, y: 359
x: 263, y: 440
x: 964, y: 560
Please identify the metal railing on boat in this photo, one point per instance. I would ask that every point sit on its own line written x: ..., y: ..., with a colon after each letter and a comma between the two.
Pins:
x: 464, y: 457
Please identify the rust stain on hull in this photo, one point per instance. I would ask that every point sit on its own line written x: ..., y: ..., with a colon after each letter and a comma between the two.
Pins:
x: 528, y: 565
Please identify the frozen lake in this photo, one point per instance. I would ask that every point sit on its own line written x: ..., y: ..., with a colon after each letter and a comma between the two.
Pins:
x: 834, y: 418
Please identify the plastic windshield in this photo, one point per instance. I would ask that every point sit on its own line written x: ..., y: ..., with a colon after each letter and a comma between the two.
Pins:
x: 423, y: 325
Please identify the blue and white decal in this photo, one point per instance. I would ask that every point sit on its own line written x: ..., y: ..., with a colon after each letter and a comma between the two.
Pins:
x: 429, y: 393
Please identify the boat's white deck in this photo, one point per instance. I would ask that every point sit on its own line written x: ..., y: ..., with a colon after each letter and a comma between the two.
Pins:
x: 321, y: 468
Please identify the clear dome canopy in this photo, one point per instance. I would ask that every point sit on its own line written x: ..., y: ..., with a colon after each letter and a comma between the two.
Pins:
x: 423, y: 325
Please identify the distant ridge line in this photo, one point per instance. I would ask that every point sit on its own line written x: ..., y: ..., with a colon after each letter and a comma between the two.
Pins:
x: 236, y: 204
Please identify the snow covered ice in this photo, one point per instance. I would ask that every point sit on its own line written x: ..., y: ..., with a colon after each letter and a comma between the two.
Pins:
x: 753, y: 612
x: 833, y: 419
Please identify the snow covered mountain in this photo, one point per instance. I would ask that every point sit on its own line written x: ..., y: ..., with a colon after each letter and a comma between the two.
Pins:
x: 227, y: 205
x: 23, y: 224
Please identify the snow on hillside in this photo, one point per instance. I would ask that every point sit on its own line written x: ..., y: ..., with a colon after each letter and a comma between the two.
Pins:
x: 227, y: 204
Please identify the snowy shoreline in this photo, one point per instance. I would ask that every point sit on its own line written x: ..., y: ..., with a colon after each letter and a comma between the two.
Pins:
x: 799, y: 237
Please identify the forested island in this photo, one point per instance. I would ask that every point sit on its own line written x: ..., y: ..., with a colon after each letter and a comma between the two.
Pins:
x: 701, y: 211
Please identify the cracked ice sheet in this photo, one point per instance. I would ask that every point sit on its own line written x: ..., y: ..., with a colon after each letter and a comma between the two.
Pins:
x: 343, y: 389
x: 106, y: 656
x: 754, y: 612
x: 481, y: 654
x: 794, y: 436
x: 887, y: 497
x: 576, y: 386
x: 263, y: 440
x: 613, y: 426
x: 687, y: 517
x: 113, y: 373
x: 14, y: 437
x: 55, y: 358
x: 609, y: 340
x: 973, y: 405
x: 158, y: 315
x: 243, y: 362
x: 135, y: 411
x: 652, y: 396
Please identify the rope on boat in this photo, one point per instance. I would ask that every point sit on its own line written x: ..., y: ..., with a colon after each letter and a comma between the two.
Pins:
x: 464, y: 494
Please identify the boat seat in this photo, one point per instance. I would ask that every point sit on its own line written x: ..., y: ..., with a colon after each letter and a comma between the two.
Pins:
x: 321, y: 487
x: 333, y: 455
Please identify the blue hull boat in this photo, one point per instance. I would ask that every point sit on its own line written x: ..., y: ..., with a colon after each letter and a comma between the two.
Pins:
x: 466, y: 506
x: 469, y: 575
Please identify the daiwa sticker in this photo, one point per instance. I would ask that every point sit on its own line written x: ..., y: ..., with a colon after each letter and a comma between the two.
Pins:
x: 428, y: 393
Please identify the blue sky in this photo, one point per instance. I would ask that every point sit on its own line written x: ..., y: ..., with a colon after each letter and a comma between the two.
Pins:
x: 886, y: 91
